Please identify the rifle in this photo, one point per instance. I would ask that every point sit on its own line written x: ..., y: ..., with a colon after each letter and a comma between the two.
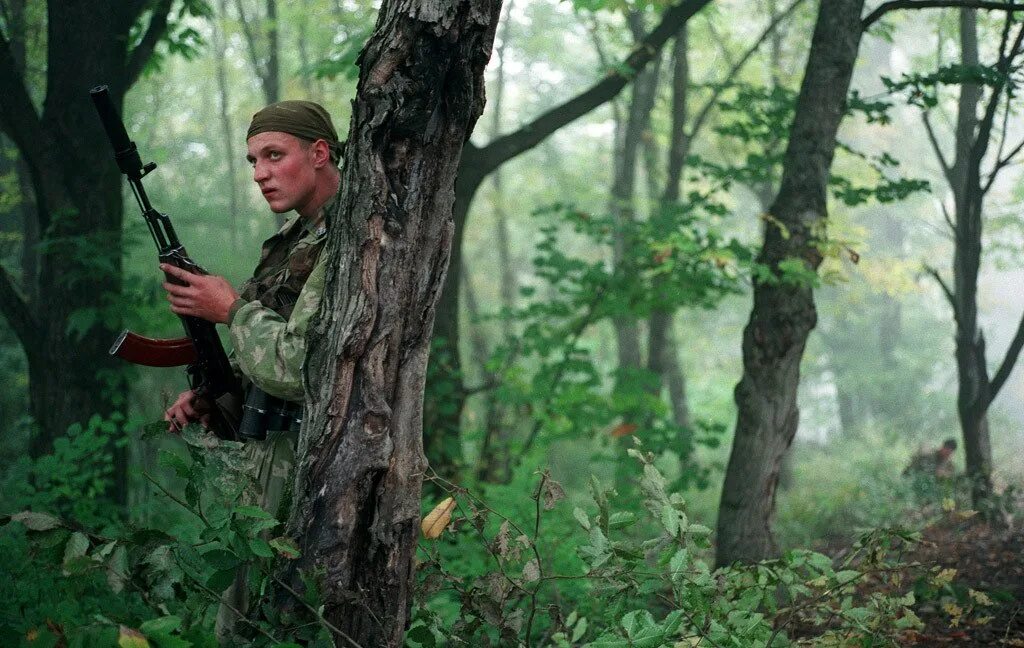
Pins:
x: 209, y: 372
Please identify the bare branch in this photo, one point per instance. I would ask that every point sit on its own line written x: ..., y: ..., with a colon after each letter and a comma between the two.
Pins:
x: 947, y: 217
x: 1009, y: 360
x: 504, y: 148
x: 139, y: 56
x: 893, y: 5
x: 945, y: 288
x: 712, y: 101
x: 250, y: 39
x: 943, y: 164
x: 15, y: 309
x: 1001, y: 164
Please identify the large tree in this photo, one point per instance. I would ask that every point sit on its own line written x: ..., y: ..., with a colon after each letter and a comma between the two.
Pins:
x: 357, y: 491
x: 67, y: 330
x: 784, y: 314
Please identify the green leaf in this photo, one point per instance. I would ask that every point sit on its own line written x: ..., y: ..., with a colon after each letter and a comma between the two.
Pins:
x: 286, y: 547
x: 75, y: 549
x: 253, y: 512
x: 37, y: 521
x: 260, y: 548
x: 220, y: 580
x: 581, y: 517
x: 221, y: 559
x: 174, y: 461
x: 162, y: 626
x: 117, y: 569
x: 422, y: 635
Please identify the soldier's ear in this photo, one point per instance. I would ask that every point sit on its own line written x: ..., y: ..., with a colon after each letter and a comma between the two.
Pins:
x: 321, y: 153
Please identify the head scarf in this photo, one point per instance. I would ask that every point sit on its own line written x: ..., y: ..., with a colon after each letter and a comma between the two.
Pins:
x: 304, y: 119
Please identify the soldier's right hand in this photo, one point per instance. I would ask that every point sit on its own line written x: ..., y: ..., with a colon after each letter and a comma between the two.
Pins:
x: 186, y: 409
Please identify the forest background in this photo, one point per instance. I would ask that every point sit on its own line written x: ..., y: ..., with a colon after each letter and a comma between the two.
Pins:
x: 591, y: 309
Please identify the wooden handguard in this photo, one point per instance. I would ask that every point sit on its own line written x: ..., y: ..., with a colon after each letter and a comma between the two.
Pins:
x: 153, y: 352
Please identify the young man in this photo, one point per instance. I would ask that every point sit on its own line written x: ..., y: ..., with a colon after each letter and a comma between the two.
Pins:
x: 294, y: 151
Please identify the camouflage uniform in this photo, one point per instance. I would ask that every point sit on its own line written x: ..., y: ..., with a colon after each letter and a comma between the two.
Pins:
x: 268, y: 348
x: 267, y: 325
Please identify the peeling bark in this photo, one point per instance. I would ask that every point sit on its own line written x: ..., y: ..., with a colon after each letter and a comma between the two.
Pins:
x: 357, y: 506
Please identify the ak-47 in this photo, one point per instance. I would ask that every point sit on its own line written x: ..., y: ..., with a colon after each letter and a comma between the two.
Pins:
x: 209, y: 372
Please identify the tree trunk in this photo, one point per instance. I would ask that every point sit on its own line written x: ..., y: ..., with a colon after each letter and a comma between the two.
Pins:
x: 361, y: 462
x: 227, y: 132
x: 973, y: 394
x: 77, y: 191
x: 621, y: 203
x: 663, y: 355
x: 784, y: 314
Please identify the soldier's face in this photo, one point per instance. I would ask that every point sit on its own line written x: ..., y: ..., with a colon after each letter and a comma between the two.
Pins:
x: 284, y: 169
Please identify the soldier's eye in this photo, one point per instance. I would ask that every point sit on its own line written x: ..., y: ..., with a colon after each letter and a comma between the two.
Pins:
x: 274, y: 155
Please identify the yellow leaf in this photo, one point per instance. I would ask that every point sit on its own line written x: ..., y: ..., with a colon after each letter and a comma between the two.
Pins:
x: 31, y: 635
x: 981, y: 598
x: 954, y: 611
x: 131, y: 638
x: 944, y: 577
x: 438, y: 519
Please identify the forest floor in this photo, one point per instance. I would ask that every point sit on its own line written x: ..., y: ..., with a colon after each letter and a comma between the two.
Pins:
x: 986, y: 559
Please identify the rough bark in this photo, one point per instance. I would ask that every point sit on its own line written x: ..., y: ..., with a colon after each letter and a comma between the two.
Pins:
x: 78, y: 207
x: 783, y: 314
x: 479, y: 162
x: 357, y: 505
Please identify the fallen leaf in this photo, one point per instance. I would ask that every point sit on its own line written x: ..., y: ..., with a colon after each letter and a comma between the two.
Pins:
x: 438, y: 519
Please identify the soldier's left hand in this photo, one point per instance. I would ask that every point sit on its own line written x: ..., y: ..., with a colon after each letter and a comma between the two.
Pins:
x: 205, y: 296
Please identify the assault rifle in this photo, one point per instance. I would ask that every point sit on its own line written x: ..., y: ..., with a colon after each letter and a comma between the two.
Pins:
x: 209, y: 372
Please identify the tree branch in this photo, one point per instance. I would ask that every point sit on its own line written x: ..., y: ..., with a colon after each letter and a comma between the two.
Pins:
x: 712, y: 101
x: 15, y: 309
x: 893, y: 5
x: 139, y: 56
x: 945, y: 288
x: 943, y: 164
x: 1009, y: 360
x: 250, y: 39
x: 18, y: 116
x: 1001, y: 164
x: 509, y: 146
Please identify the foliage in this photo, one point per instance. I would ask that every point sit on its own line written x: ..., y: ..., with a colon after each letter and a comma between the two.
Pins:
x: 640, y: 577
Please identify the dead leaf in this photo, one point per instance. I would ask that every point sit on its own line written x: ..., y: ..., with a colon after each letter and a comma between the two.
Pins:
x: 623, y: 429
x: 438, y: 519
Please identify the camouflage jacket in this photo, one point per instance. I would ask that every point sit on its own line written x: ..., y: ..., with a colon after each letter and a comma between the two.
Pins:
x: 269, y: 346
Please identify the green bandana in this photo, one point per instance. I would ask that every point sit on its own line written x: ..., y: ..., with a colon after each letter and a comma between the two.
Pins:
x: 304, y: 119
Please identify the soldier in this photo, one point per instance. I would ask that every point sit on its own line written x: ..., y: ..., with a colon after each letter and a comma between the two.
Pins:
x: 294, y: 151
x: 934, y: 464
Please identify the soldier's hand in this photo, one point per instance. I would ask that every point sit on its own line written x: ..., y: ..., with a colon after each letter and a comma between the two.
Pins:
x: 205, y: 296
x: 186, y: 409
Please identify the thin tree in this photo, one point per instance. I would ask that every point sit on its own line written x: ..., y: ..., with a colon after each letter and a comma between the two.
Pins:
x: 361, y: 462
x: 969, y: 185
